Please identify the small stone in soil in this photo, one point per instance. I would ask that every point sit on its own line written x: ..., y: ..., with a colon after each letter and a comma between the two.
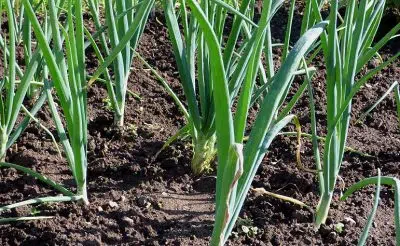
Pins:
x: 186, y: 187
x: 113, y: 204
x: 91, y: 145
x: 154, y: 243
x: 115, y: 195
x: 349, y: 221
x: 128, y: 220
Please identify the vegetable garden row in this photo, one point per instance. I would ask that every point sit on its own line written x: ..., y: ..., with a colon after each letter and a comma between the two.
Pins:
x: 237, y: 94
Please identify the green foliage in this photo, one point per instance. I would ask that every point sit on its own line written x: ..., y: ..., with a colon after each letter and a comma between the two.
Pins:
x: 194, y: 57
x: 347, y: 47
x: 393, y: 88
x: 65, y: 70
x: 125, y: 22
x: 378, y: 181
x: 239, y: 161
x: 223, y: 75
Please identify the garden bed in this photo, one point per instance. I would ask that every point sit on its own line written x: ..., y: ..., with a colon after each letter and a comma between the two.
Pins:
x: 138, y: 200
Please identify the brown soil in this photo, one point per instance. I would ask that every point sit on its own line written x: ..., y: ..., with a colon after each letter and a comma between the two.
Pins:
x: 135, y: 200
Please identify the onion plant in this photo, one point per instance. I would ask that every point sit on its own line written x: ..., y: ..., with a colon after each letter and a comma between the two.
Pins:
x: 65, y: 71
x: 347, y: 46
x: 200, y: 110
x: 125, y: 18
x: 193, y: 58
x: 13, y: 90
x: 238, y: 160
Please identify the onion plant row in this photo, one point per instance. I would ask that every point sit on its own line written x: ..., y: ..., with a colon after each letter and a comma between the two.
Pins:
x: 13, y: 91
x: 60, y: 67
x: 65, y: 71
x: 239, y: 161
x: 124, y: 19
x: 224, y: 75
x: 347, y: 47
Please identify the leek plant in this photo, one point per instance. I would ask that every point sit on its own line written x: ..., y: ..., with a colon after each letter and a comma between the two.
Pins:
x: 238, y: 161
x: 124, y: 19
x: 347, y: 46
x: 65, y: 71
x: 193, y: 58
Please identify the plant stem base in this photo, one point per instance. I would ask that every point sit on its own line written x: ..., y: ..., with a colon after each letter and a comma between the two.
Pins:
x: 323, y: 210
x: 118, y: 120
x: 204, y: 155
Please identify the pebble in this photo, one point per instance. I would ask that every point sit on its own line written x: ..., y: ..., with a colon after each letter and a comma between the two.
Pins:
x: 154, y: 243
x: 113, y: 204
x: 128, y: 220
x: 349, y: 221
x: 115, y: 195
x: 245, y: 229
